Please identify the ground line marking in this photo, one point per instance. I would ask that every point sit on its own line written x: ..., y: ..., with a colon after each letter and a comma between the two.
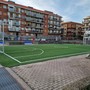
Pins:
x: 12, y: 57
x: 31, y: 55
x: 24, y: 48
x: 55, y: 57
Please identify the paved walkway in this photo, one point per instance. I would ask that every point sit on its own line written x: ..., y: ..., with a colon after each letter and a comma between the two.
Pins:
x: 7, y: 82
x: 71, y: 73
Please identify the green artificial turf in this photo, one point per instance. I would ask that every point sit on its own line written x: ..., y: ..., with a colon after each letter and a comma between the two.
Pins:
x: 35, y: 53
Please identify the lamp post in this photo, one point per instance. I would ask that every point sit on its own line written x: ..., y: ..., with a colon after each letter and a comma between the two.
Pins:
x: 3, y: 37
x: 3, y: 26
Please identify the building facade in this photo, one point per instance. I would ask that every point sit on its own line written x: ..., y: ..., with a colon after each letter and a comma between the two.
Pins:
x: 72, y: 31
x: 86, y: 23
x: 25, y: 21
x: 86, y: 26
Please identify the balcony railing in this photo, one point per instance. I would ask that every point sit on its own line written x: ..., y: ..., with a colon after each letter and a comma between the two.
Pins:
x: 11, y: 29
x: 36, y: 31
x: 16, y: 23
x: 11, y: 9
x: 17, y: 29
x: 39, y: 16
x: 86, y: 22
x: 10, y: 17
x: 54, y: 32
x: 17, y: 17
x: 28, y: 13
x: 28, y: 19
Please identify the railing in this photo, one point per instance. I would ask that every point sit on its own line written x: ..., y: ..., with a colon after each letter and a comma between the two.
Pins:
x: 11, y: 10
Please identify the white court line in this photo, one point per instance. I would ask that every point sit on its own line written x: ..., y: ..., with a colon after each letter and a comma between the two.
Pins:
x: 30, y: 48
x: 56, y: 57
x: 12, y: 58
x: 42, y: 51
x: 60, y: 47
x: 21, y: 51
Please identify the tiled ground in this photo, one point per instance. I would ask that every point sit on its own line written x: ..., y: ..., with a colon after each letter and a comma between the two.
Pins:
x: 7, y: 82
x: 55, y: 74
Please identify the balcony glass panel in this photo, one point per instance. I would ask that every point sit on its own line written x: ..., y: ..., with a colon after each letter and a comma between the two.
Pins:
x: 17, y: 29
x: 11, y: 9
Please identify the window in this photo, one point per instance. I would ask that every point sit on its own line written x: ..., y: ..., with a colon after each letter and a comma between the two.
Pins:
x: 57, y: 18
x: 0, y: 21
x: 11, y: 9
x: 5, y: 20
x: 5, y: 26
x: 22, y: 11
x: 4, y: 13
x: 51, y: 17
x: 4, y: 6
x: 23, y: 22
x: 57, y: 23
x: 0, y: 13
x: 51, y: 22
x: 0, y: 5
x: 54, y: 22
x: 22, y: 28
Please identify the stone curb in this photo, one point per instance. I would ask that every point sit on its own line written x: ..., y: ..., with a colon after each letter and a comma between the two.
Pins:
x: 20, y: 81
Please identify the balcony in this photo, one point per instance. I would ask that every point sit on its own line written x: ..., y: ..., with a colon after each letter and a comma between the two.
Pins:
x: 28, y: 29
x: 28, y: 13
x: 54, y: 32
x: 17, y: 17
x: 29, y: 19
x: 40, y: 27
x: 17, y: 29
x: 39, y: 16
x: 51, y: 23
x: 86, y: 21
x: 18, y: 10
x: 16, y: 23
x: 33, y: 20
x: 11, y: 9
x: 39, y: 21
x: 11, y: 17
x: 11, y: 29
x: 50, y: 18
x: 23, y: 17
x: 37, y: 31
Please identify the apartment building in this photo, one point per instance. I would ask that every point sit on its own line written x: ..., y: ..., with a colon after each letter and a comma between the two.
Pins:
x: 72, y: 31
x: 86, y: 24
x: 26, y: 21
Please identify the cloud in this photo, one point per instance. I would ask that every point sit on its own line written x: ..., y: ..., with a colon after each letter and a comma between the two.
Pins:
x: 39, y: 4
x: 66, y: 18
x: 68, y: 9
x: 83, y: 3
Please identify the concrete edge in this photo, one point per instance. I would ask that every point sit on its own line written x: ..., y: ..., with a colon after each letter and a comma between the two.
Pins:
x: 1, y: 66
x: 18, y: 79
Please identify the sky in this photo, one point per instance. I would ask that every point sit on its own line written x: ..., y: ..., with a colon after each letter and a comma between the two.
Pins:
x: 70, y: 10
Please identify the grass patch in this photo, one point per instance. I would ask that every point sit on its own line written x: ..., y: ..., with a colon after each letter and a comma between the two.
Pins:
x: 42, y: 52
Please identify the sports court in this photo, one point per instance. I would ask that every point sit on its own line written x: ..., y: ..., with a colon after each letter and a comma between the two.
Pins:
x: 22, y: 54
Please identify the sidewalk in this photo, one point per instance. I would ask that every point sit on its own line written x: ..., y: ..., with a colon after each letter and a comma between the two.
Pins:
x: 10, y: 81
x: 7, y: 82
x: 71, y: 73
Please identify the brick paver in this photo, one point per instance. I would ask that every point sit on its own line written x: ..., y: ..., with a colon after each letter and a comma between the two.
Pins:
x: 55, y: 74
